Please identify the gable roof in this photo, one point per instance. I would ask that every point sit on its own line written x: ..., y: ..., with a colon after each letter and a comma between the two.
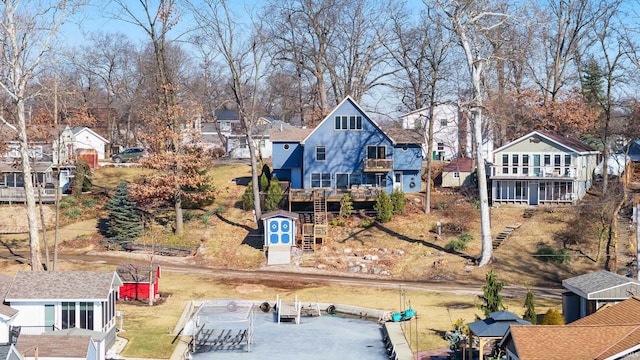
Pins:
x: 626, y: 312
x: 496, y: 325
x: 226, y: 115
x: 80, y: 129
x: 555, y: 137
x: 589, y: 286
x: 460, y: 165
x: 586, y: 342
x: 354, y: 104
x: 65, y: 346
x: 62, y: 285
x: 279, y: 212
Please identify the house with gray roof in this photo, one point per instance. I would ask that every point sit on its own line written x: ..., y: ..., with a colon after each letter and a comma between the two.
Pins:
x: 542, y: 167
x: 48, y: 301
x: 64, y: 347
x: 9, y: 352
x: 589, y: 292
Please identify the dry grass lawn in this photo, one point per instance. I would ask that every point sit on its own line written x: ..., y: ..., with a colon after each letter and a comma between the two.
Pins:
x: 406, y: 247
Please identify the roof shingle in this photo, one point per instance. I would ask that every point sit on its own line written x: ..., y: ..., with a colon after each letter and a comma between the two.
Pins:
x: 51, y: 346
x: 62, y: 285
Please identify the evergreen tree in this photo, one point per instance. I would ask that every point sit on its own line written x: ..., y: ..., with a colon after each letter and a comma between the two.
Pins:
x: 247, y: 197
x: 264, y: 181
x: 123, y: 221
x: 346, y: 205
x: 384, y: 207
x: 530, y: 312
x: 274, y: 195
x: 399, y: 201
x: 592, y: 83
x: 81, y: 181
x: 491, y: 298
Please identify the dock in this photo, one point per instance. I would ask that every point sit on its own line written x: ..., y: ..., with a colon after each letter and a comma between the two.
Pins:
x: 286, y: 310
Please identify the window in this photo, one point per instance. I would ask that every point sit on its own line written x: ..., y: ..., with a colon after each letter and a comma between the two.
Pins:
x: 342, y: 181
x: 321, y: 153
x: 68, y: 315
x: 286, y: 146
x: 320, y: 180
x: 440, y: 146
x: 547, y: 160
x: 443, y: 122
x: 525, y: 164
x: 49, y: 317
x: 456, y: 175
x: 376, y: 152
x: 243, y: 143
x: 556, y: 163
x: 505, y: 163
x: 86, y: 315
x: 341, y: 123
x: 417, y: 124
x: 515, y: 162
x: 405, y: 147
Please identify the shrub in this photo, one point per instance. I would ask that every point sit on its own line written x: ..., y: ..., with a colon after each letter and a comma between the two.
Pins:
x: 205, y: 218
x: 346, y: 205
x: 337, y: 222
x: 441, y: 205
x: 366, y: 223
x: 552, y: 317
x: 383, y: 207
x: 399, y: 201
x: 188, y: 216
x: 466, y: 237
x: 70, y: 201
x: 274, y: 195
x: 247, y: 197
x: 89, y: 203
x: 456, y: 245
x: 73, y: 213
x: 549, y: 255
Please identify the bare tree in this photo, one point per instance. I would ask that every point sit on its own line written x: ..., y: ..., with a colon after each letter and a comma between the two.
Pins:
x: 27, y: 31
x: 471, y: 21
x: 420, y: 53
x: 244, y: 61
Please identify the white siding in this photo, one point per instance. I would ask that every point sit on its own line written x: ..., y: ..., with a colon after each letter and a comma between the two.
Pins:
x: 87, y: 140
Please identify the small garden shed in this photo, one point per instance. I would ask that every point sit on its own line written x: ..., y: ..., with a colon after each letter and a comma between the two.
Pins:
x: 136, y: 284
x: 279, y: 235
x: 459, y: 172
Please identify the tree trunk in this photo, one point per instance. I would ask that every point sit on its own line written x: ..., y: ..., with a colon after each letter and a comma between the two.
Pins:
x: 485, y: 215
x: 254, y: 177
x: 32, y: 217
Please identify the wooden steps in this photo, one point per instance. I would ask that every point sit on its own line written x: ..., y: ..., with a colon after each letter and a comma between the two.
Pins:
x: 498, y: 240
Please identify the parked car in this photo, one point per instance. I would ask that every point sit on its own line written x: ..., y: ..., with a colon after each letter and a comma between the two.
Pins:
x: 130, y: 154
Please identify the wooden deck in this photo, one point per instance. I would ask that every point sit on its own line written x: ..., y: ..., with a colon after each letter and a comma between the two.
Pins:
x: 358, y: 193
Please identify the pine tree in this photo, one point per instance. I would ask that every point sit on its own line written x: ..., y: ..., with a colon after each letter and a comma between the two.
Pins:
x: 247, y: 197
x: 384, y: 207
x: 491, y: 298
x: 346, y: 205
x: 530, y: 312
x: 274, y: 195
x: 399, y: 201
x: 123, y: 222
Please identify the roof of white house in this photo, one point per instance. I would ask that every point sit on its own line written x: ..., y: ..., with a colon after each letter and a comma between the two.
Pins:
x: 62, y: 285
x: 595, y: 284
x: 51, y: 346
x: 79, y: 129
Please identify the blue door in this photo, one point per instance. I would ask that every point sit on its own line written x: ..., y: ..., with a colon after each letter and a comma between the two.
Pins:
x: 296, y: 178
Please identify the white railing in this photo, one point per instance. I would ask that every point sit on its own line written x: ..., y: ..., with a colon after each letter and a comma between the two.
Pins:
x: 567, y: 172
x: 8, y: 194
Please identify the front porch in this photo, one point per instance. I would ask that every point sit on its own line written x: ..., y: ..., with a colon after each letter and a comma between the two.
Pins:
x: 534, y: 192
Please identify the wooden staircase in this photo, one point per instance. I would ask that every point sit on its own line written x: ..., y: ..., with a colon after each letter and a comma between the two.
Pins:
x: 504, y: 234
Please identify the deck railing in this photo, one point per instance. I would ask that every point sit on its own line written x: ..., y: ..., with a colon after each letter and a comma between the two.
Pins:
x: 8, y: 194
x: 357, y: 192
x: 565, y: 172
x: 371, y: 165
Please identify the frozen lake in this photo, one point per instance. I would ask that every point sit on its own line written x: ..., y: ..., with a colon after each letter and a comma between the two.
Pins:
x: 321, y: 338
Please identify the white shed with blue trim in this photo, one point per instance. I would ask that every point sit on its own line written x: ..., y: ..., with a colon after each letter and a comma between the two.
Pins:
x: 279, y: 235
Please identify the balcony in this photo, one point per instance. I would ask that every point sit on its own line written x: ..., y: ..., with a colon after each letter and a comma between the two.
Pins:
x: 358, y: 193
x: 18, y: 195
x: 377, y: 165
x: 546, y: 172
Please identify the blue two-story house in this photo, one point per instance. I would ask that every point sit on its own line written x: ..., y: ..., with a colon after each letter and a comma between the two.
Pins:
x: 347, y: 152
